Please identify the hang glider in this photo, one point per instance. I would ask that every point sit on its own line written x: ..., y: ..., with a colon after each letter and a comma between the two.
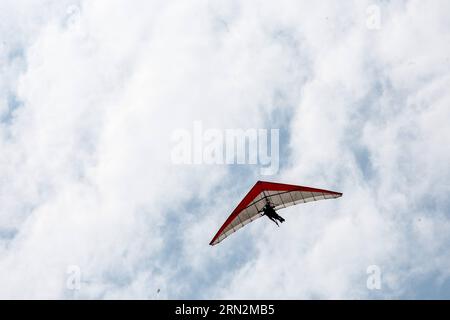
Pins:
x: 278, y: 194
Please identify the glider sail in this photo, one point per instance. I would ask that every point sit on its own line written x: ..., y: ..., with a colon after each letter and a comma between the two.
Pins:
x: 279, y: 194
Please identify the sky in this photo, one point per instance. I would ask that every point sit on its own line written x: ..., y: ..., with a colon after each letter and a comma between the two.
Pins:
x: 93, y: 207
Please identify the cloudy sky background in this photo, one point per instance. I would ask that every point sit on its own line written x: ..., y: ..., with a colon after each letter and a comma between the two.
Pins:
x: 91, y: 92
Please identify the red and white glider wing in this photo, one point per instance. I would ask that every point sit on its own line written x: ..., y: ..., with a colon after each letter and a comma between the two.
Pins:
x: 279, y: 194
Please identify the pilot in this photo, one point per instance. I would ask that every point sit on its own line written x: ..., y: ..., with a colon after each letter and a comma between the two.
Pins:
x: 270, y: 212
